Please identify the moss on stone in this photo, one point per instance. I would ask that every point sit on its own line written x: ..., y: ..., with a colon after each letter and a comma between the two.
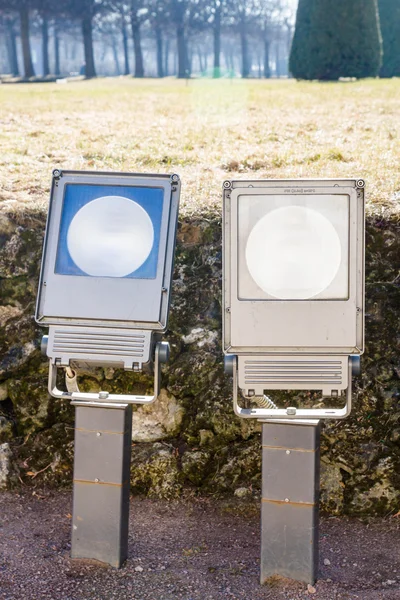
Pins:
x: 155, y: 471
x: 211, y: 451
x: 6, y: 430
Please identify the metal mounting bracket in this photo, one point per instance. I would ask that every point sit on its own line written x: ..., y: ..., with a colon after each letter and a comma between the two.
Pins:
x: 290, y: 413
x: 104, y: 398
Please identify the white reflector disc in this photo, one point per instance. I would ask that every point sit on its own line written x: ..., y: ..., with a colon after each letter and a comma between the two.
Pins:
x: 293, y: 253
x: 111, y: 236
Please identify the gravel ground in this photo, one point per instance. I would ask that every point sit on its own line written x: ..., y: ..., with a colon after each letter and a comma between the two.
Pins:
x: 198, y: 550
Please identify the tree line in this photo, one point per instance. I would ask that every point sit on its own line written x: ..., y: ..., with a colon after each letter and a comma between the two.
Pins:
x: 156, y: 37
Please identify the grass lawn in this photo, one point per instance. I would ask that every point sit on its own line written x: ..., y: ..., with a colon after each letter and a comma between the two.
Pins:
x: 204, y: 130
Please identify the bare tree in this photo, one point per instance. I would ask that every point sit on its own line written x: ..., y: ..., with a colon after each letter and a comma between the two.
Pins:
x: 159, y: 19
x: 9, y: 28
x: 85, y: 11
x: 124, y: 31
x: 24, y: 9
x: 138, y: 13
x: 168, y: 36
x: 217, y: 12
x: 243, y: 13
x: 46, y: 9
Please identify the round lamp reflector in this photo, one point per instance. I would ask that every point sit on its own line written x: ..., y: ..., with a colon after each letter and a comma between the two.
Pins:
x: 111, y: 236
x: 293, y: 253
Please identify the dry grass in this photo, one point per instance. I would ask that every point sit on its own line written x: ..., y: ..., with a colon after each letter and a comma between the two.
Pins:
x: 204, y: 130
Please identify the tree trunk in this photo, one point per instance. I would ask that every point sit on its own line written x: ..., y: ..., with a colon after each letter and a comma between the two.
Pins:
x: 182, y: 54
x: 74, y: 50
x: 57, y: 69
x: 267, y: 70
x: 160, y: 70
x: 12, y: 48
x: 227, y: 54
x: 137, y: 45
x: 125, y: 45
x: 26, y: 47
x: 101, y: 59
x: 244, y: 48
x: 87, y: 31
x: 217, y: 41
x: 232, y: 59
x: 278, y: 58
x: 115, y: 55
x: 166, y: 58
x: 45, y: 46
x: 200, y: 59
x: 226, y: 58
x: 189, y: 61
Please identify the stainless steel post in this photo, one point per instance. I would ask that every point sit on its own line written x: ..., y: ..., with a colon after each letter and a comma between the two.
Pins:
x: 103, y: 434
x: 290, y: 489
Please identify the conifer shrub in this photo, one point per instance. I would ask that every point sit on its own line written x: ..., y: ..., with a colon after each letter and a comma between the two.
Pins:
x: 389, y: 16
x: 336, y: 39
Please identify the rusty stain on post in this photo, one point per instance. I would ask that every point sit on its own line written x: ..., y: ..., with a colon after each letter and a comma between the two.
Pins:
x: 289, y: 448
x: 92, y: 482
x: 288, y: 502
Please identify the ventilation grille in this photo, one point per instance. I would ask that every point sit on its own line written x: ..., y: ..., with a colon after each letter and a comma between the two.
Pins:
x: 310, y: 372
x: 292, y: 373
x: 99, y: 343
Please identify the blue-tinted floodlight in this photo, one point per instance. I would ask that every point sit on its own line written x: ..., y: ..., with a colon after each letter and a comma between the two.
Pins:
x: 108, y: 251
x: 107, y: 267
x: 110, y: 231
x: 104, y: 292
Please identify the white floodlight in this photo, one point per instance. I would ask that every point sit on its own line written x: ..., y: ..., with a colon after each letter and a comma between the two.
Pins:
x: 293, y: 290
x: 106, y: 271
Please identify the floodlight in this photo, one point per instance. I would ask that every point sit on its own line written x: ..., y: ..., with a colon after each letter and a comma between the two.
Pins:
x: 106, y: 272
x: 293, y: 291
x: 104, y: 293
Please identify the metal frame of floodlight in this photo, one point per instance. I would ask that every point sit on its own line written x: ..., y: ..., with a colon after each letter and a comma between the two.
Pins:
x: 273, y: 344
x: 104, y: 321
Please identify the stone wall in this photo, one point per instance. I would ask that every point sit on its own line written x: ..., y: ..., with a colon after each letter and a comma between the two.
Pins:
x: 190, y: 441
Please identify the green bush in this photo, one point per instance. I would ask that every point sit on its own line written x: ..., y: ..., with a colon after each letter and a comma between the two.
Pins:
x: 336, y: 39
x: 389, y: 15
x: 299, y: 59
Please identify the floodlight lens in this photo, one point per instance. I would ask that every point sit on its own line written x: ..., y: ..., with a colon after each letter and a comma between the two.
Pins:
x: 293, y: 253
x: 111, y: 236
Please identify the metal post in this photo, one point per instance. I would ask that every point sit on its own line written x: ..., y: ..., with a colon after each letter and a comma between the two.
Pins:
x: 103, y: 434
x: 290, y: 511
